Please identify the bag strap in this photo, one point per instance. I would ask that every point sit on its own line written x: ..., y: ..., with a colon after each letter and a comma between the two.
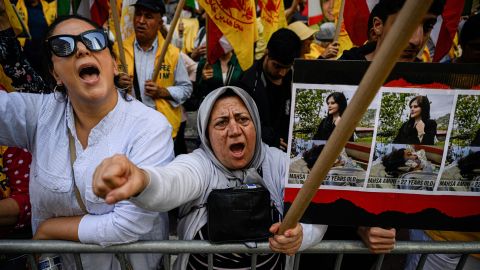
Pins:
x: 121, y: 257
x: 73, y: 157
x: 136, y: 86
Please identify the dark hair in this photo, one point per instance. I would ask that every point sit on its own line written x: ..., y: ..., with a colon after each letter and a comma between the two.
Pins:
x: 311, y: 155
x: 284, y: 46
x: 394, y: 160
x: 470, y: 30
x: 467, y: 164
x: 340, y: 99
x: 424, y: 103
x: 48, y: 53
x: 385, y: 8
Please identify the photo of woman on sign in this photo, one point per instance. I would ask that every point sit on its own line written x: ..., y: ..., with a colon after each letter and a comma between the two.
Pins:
x: 419, y: 129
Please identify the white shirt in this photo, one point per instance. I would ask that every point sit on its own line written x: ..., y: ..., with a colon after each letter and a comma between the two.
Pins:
x: 144, y: 65
x: 39, y: 123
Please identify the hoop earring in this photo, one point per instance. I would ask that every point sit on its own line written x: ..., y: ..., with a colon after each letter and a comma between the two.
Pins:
x: 58, y: 94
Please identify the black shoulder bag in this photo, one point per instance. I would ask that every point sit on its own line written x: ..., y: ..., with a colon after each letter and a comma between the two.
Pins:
x: 240, y: 214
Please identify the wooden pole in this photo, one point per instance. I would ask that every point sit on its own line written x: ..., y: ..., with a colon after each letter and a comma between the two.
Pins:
x: 338, y: 27
x: 118, y: 36
x: 395, y: 42
x: 168, y: 39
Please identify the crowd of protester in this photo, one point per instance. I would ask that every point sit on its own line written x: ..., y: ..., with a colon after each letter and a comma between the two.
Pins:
x: 68, y: 104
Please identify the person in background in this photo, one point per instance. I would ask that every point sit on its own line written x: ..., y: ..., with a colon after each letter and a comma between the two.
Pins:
x: 225, y: 71
x: 382, y: 19
x: 14, y: 201
x: 231, y: 154
x: 70, y: 131
x: 268, y: 82
x: 172, y: 87
x: 305, y: 34
x: 36, y: 15
x: 324, y: 38
x: 470, y: 40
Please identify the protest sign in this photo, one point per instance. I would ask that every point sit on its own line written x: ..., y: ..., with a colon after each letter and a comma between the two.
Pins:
x: 413, y: 160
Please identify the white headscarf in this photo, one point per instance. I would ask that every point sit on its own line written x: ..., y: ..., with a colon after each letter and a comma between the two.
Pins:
x: 250, y: 172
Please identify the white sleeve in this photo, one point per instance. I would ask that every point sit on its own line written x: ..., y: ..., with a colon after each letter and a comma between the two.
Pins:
x: 19, y: 114
x: 312, y: 234
x: 179, y: 182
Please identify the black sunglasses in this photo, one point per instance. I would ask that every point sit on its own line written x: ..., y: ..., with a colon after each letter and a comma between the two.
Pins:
x: 65, y: 45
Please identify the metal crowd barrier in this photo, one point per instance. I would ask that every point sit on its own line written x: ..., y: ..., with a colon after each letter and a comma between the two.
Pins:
x: 174, y: 247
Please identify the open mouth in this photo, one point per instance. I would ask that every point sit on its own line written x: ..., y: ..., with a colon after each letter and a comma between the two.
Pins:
x: 237, y: 148
x: 89, y: 73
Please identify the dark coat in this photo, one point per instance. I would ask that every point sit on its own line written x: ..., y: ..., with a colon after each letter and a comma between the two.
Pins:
x: 408, y: 133
x: 325, y: 129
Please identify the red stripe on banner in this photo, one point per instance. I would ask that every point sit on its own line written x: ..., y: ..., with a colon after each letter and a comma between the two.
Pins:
x: 378, y: 202
x: 404, y: 83
x: 355, y: 16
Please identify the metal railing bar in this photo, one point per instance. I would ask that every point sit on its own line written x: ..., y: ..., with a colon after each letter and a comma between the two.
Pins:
x: 338, y: 261
x: 78, y: 261
x: 198, y: 246
x: 296, y: 261
x: 210, y: 261
x: 461, y: 262
x: 253, y: 264
x: 379, y: 262
x: 166, y: 261
x: 31, y: 261
x: 422, y: 261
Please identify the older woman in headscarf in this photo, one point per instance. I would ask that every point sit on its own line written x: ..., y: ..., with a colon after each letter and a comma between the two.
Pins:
x: 231, y: 154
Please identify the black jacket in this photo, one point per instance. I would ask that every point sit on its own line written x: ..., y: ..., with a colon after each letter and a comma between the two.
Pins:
x: 408, y: 133
x: 273, y: 105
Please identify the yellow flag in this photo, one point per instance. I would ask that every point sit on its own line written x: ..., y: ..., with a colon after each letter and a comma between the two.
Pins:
x: 236, y: 20
x: 272, y: 17
x: 15, y: 21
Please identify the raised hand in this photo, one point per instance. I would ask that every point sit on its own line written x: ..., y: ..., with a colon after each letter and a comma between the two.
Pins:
x: 117, y: 178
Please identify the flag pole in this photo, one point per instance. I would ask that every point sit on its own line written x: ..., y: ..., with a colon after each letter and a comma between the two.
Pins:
x: 118, y: 36
x: 168, y: 39
x: 338, y: 27
x: 395, y: 42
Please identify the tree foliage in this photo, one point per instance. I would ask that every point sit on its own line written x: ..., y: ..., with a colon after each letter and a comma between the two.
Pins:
x: 392, y: 106
x: 308, y: 104
x: 368, y: 119
x: 466, y: 121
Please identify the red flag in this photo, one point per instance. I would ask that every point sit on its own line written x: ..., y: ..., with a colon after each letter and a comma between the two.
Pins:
x: 96, y: 10
x: 355, y: 17
x: 99, y: 11
x: 214, y: 34
x: 451, y: 17
x: 314, y: 11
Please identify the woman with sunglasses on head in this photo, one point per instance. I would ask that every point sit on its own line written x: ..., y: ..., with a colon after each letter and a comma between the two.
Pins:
x: 70, y: 132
